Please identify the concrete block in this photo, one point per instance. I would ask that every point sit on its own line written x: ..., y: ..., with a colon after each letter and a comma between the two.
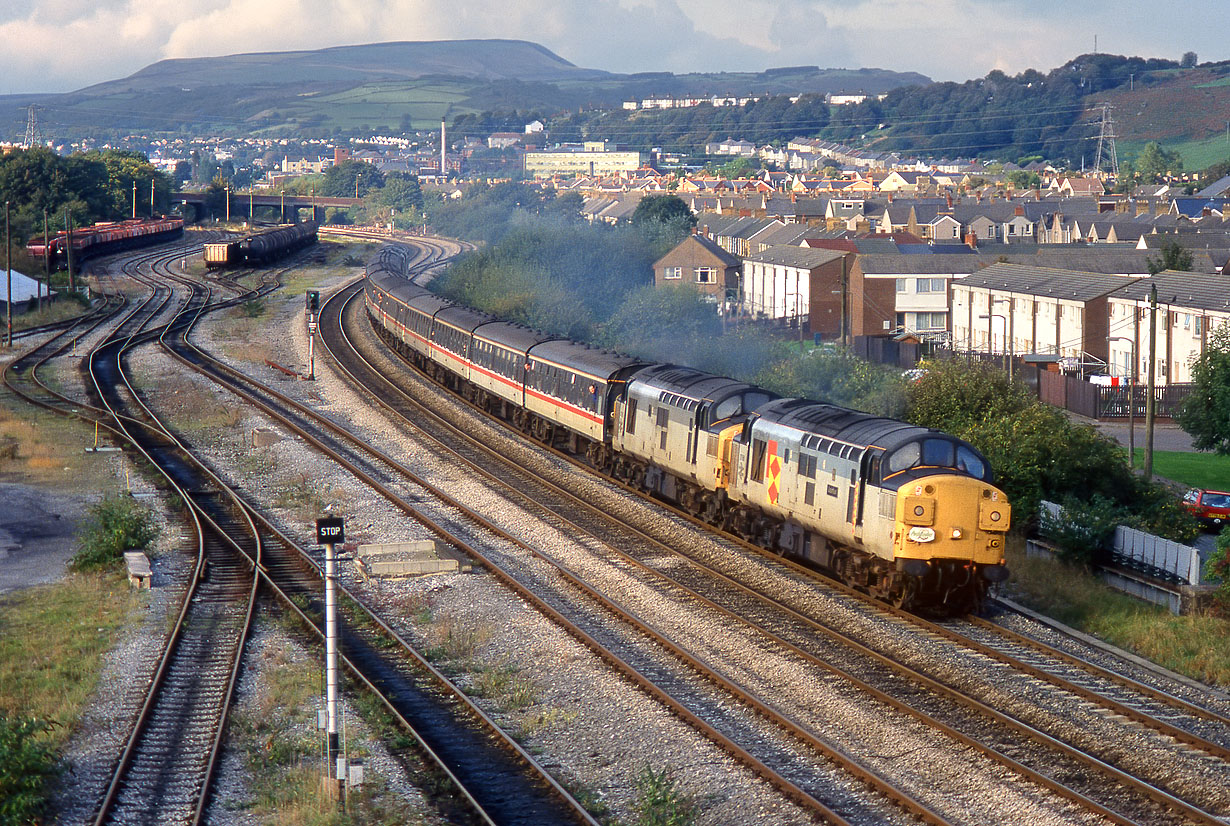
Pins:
x: 264, y: 436
x: 401, y: 559
x: 139, y: 573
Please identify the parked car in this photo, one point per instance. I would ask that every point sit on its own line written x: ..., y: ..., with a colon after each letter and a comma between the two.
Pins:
x: 1211, y: 507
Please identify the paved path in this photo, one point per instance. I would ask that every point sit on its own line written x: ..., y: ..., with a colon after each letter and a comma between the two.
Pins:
x: 38, y: 535
x: 1165, y: 436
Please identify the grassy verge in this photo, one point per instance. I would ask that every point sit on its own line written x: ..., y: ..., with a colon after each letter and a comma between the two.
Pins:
x: 1198, y: 470
x: 44, y: 448
x: 277, y: 736
x: 1191, y: 645
x: 52, y: 642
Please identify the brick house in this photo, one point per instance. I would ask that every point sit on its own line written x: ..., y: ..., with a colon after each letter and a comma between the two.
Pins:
x: 700, y: 262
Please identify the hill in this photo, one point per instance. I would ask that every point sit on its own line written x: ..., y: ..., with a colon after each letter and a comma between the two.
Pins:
x: 387, y: 87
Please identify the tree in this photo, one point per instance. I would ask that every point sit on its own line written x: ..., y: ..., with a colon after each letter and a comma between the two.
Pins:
x: 1021, y: 179
x: 1155, y: 163
x: 956, y: 397
x: 350, y: 179
x: 1173, y: 257
x: 1205, y: 414
x: 663, y: 208
x: 1188, y: 60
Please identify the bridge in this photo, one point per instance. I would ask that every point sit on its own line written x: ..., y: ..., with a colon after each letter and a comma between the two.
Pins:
x: 280, y: 207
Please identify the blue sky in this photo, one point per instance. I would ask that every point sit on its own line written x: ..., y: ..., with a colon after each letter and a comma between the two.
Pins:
x: 60, y: 45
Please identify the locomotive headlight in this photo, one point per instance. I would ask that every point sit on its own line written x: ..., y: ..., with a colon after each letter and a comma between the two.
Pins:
x: 919, y: 510
x: 996, y: 516
x: 956, y: 533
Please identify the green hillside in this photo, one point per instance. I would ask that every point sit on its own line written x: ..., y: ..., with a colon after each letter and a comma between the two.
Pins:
x: 387, y: 87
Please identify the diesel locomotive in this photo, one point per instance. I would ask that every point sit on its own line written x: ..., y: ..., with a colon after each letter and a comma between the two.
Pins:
x: 908, y: 514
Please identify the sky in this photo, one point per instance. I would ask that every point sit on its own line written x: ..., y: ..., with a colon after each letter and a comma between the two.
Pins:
x: 61, y: 45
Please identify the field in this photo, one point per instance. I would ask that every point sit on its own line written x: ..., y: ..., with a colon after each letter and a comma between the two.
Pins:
x: 1197, y: 470
x: 1191, y: 645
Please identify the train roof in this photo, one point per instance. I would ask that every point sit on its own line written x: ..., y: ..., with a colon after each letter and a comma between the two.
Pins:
x: 691, y: 383
x: 427, y: 303
x: 840, y: 423
x: 463, y: 318
x: 512, y: 336
x: 581, y: 358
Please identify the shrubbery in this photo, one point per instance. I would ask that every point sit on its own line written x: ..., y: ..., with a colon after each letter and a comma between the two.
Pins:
x: 1217, y: 570
x: 1038, y: 453
x: 27, y: 761
x: 114, y: 525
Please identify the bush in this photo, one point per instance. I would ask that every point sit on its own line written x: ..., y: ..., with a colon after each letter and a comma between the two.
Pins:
x: 253, y: 308
x: 114, y: 525
x: 1082, y: 532
x: 660, y: 801
x: 1217, y: 569
x: 27, y: 762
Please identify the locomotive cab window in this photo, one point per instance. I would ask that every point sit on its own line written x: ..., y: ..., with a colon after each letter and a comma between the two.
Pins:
x: 968, y: 461
x: 938, y: 452
x: 759, y: 449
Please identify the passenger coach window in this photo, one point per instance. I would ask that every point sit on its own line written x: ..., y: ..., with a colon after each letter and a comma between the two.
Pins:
x: 631, y: 425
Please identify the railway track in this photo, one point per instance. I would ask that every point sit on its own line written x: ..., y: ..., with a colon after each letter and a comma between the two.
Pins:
x: 1153, y: 800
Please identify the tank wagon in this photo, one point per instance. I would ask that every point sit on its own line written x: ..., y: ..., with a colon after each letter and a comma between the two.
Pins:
x: 261, y: 248
x: 106, y: 237
x: 908, y: 514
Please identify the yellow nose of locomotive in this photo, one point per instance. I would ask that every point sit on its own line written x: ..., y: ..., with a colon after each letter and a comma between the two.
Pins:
x: 951, y: 518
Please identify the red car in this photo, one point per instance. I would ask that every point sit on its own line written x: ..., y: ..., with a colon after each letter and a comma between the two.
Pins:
x: 1211, y: 507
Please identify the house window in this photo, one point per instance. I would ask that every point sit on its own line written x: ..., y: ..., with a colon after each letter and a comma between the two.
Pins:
x: 929, y: 285
x: 901, y: 285
x: 706, y: 275
x: 672, y: 272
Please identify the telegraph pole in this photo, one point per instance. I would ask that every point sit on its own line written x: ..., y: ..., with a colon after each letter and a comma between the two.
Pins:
x: 151, y: 198
x: 1149, y: 402
x: 46, y: 262
x: 68, y: 250
x: 8, y: 267
x: 134, y: 199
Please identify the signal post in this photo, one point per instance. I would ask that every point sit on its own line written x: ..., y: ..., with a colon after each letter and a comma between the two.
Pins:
x: 329, y: 532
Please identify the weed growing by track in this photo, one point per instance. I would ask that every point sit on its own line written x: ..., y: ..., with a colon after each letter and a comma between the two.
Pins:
x: 114, y: 525
x: 1191, y: 645
x: 274, y: 729
x: 660, y: 801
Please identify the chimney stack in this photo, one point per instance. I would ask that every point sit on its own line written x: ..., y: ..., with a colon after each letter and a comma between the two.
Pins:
x: 971, y: 240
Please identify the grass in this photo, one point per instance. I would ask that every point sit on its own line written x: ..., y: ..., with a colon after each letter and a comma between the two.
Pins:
x: 660, y: 801
x: 49, y: 449
x: 1191, y: 645
x: 281, y: 747
x: 1197, y: 470
x: 52, y: 642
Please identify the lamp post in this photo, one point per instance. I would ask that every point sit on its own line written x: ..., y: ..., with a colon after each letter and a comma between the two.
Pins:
x: 134, y: 199
x: 1131, y: 400
x: 991, y: 346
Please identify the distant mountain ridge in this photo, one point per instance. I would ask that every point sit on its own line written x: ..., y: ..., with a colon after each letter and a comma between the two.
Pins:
x: 401, y: 60
x: 390, y: 87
